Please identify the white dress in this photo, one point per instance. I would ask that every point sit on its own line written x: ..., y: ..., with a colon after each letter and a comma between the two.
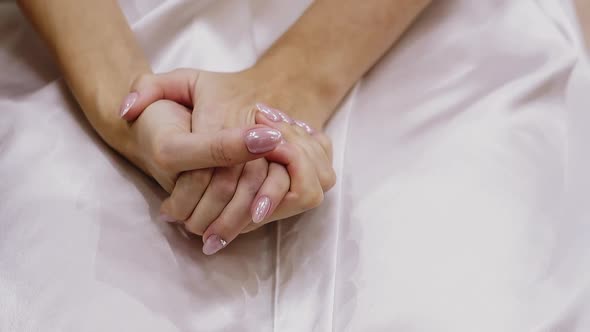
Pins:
x: 461, y: 205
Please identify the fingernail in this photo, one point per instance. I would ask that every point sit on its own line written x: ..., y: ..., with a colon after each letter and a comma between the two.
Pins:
x: 273, y: 114
x: 261, y: 209
x: 262, y: 140
x: 128, y: 103
x: 213, y: 244
x: 269, y: 112
x: 285, y: 117
x: 304, y: 126
x: 166, y: 218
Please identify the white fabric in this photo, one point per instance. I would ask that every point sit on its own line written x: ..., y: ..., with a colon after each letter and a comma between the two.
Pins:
x: 462, y: 201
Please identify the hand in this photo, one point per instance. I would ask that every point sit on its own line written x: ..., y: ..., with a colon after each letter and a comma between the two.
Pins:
x: 315, y: 151
x: 217, y: 203
x: 164, y: 146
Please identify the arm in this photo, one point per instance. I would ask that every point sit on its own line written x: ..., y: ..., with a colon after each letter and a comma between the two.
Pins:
x: 100, y: 60
x: 329, y: 48
x: 98, y: 55
x: 306, y: 73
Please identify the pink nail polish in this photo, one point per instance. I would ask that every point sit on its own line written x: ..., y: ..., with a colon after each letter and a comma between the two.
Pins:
x: 305, y: 126
x: 285, y: 117
x: 128, y: 103
x: 273, y: 114
x: 262, y: 140
x: 261, y: 209
x: 269, y: 113
x: 166, y: 218
x: 213, y: 244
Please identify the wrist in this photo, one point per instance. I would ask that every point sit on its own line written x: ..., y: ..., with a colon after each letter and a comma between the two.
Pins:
x: 101, y: 104
x: 297, y: 88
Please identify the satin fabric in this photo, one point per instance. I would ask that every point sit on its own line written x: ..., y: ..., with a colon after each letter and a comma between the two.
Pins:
x: 461, y: 202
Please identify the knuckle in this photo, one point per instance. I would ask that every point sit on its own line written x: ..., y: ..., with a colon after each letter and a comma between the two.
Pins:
x: 312, y: 199
x: 284, y: 181
x: 253, y: 185
x: 199, y: 180
x: 325, y: 142
x: 288, y: 131
x: 161, y: 154
x: 222, y: 227
x: 296, y: 149
x: 281, y: 180
x: 259, y: 177
x: 328, y: 180
x: 255, y: 178
x: 187, y: 192
x: 218, y: 152
x: 178, y: 207
x: 194, y: 228
x: 141, y: 80
x: 224, y: 190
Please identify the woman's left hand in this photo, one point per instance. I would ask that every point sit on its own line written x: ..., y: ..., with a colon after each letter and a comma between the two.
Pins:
x: 219, y: 203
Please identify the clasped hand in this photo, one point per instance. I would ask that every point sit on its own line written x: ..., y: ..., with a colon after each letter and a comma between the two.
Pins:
x: 230, y: 163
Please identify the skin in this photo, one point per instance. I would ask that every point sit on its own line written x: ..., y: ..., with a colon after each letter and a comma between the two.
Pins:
x: 306, y: 74
x: 219, y: 202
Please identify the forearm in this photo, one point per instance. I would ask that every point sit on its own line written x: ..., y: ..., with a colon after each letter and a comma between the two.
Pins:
x: 332, y: 45
x: 98, y: 55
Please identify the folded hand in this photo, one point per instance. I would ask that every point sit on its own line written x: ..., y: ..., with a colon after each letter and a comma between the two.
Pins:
x: 221, y: 202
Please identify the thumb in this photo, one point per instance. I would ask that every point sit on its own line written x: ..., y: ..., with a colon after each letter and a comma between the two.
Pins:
x: 226, y: 147
x: 177, y: 86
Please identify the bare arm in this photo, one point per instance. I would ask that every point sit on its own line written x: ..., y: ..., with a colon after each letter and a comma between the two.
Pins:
x: 307, y: 71
x: 98, y: 55
x: 331, y: 46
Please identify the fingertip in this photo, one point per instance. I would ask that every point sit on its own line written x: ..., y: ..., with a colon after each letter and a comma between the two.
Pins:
x: 262, y: 139
x: 260, y: 209
x: 213, y: 244
x: 219, y: 235
x: 127, y: 105
x: 135, y: 103
x: 165, y: 211
x: 265, y: 119
x: 176, y: 86
x: 262, y: 119
x: 305, y: 127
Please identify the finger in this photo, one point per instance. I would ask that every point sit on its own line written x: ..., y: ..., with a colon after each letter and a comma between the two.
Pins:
x: 326, y: 144
x: 218, y: 194
x: 188, y: 190
x: 300, y: 137
x: 273, y: 114
x: 274, y: 118
x: 305, y: 191
x: 236, y: 215
x: 323, y: 164
x: 272, y: 192
x: 322, y: 139
x: 177, y: 86
x: 225, y: 147
x: 301, y: 196
x: 307, y: 128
